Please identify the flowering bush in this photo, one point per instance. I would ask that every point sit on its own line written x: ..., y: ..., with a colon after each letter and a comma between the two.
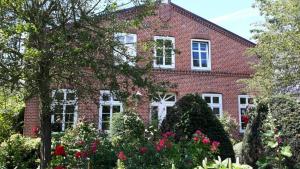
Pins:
x: 81, y: 147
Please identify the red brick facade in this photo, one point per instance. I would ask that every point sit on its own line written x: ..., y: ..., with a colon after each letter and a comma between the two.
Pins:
x: 228, y: 63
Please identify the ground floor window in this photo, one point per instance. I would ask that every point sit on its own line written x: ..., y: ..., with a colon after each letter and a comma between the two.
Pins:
x: 245, y: 102
x: 109, y: 104
x: 64, y: 109
x: 161, y: 105
x: 214, y: 101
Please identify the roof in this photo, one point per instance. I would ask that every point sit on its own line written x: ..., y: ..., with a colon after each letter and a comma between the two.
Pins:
x: 203, y: 21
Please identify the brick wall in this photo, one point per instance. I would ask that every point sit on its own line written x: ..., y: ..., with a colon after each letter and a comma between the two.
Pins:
x: 229, y: 63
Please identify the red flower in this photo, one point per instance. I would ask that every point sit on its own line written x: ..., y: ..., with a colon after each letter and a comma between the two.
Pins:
x: 245, y: 119
x: 122, y: 156
x: 94, y: 147
x: 214, y: 146
x: 196, y: 139
x: 60, y: 167
x: 59, y: 151
x: 168, y: 134
x: 78, y: 154
x: 205, y: 140
x: 35, y: 130
x: 279, y: 140
x: 143, y: 150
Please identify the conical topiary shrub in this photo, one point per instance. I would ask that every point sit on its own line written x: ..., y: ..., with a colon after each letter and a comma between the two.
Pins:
x: 191, y: 113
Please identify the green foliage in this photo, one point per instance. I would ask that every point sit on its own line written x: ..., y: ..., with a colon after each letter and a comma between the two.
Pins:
x: 126, y: 127
x: 11, y: 112
x: 19, y: 152
x: 225, y: 164
x: 84, y: 147
x: 191, y: 113
x: 277, y: 48
x: 231, y: 127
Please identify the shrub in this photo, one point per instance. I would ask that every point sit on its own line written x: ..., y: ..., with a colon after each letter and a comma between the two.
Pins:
x: 225, y: 164
x: 231, y: 127
x: 82, y: 146
x: 19, y: 152
x: 190, y: 113
x: 126, y: 127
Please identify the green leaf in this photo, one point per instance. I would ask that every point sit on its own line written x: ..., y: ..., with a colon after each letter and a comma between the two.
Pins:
x: 272, y: 144
x: 286, y: 151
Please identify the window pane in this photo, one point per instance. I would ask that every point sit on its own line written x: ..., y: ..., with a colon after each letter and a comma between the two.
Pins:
x: 58, y: 118
x: 168, y: 110
x: 243, y: 111
x: 203, y: 46
x: 70, y: 96
x: 70, y: 109
x: 159, y: 43
x: 203, y: 55
x: 204, y: 63
x: 105, y: 97
x: 242, y: 100
x: 195, y: 46
x: 121, y: 39
x: 68, y: 125
x: 159, y: 60
x: 105, y: 125
x: 130, y: 39
x: 159, y: 52
x: 106, y: 109
x: 170, y: 98
x: 168, y: 61
x: 69, y: 118
x: 195, y: 55
x: 168, y: 44
x: 59, y: 96
x: 216, y: 111
x: 215, y: 99
x: 56, y: 127
x: 196, y: 63
x: 105, y: 117
x: 169, y: 52
x: 116, y: 109
x: 207, y: 99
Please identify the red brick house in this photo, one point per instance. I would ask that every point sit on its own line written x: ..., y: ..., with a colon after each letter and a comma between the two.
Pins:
x: 209, y: 61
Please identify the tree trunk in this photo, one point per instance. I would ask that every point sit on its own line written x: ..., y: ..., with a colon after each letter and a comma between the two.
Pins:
x: 45, y: 114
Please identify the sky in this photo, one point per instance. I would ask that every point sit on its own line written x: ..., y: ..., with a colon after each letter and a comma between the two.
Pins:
x: 238, y: 16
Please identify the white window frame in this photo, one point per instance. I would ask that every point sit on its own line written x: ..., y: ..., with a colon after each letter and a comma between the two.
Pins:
x: 111, y: 102
x: 244, y: 106
x: 163, y: 66
x: 208, y: 68
x: 162, y: 105
x: 131, y: 47
x: 64, y: 103
x: 214, y: 105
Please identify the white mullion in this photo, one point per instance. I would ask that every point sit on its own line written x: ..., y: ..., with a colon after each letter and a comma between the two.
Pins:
x: 64, y: 111
x: 164, y: 53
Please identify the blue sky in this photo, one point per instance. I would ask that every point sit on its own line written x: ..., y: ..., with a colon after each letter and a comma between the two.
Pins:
x: 234, y: 15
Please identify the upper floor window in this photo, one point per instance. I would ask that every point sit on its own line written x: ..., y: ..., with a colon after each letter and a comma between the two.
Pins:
x: 245, y: 102
x: 64, y: 109
x: 214, y: 101
x: 126, y: 52
x: 201, y: 57
x: 109, y: 104
x: 164, y: 52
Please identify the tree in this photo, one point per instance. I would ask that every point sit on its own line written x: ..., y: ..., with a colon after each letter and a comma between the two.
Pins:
x: 278, y: 48
x: 48, y: 44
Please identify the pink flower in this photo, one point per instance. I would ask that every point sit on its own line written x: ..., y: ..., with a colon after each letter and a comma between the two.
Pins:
x: 35, y: 130
x: 279, y: 140
x: 143, y: 150
x: 59, y: 167
x: 205, y: 140
x: 245, y: 119
x: 196, y: 139
x: 94, y: 147
x: 168, y: 134
x: 122, y: 156
x: 161, y: 144
x: 59, y: 151
x: 214, y: 146
x: 198, y: 132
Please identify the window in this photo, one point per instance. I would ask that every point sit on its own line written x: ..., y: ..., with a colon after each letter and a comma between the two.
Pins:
x: 201, y: 59
x: 64, y: 109
x: 109, y: 105
x: 161, y: 105
x: 126, y: 52
x: 245, y: 101
x: 164, y: 52
x: 214, y: 101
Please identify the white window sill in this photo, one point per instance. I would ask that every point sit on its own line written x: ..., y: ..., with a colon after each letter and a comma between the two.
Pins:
x: 200, y: 69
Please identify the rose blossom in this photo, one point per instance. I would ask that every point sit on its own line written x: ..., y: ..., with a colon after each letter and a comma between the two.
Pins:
x: 59, y: 151
x: 143, y: 150
x: 122, y: 156
x: 205, y: 140
x: 196, y: 139
x: 214, y: 146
